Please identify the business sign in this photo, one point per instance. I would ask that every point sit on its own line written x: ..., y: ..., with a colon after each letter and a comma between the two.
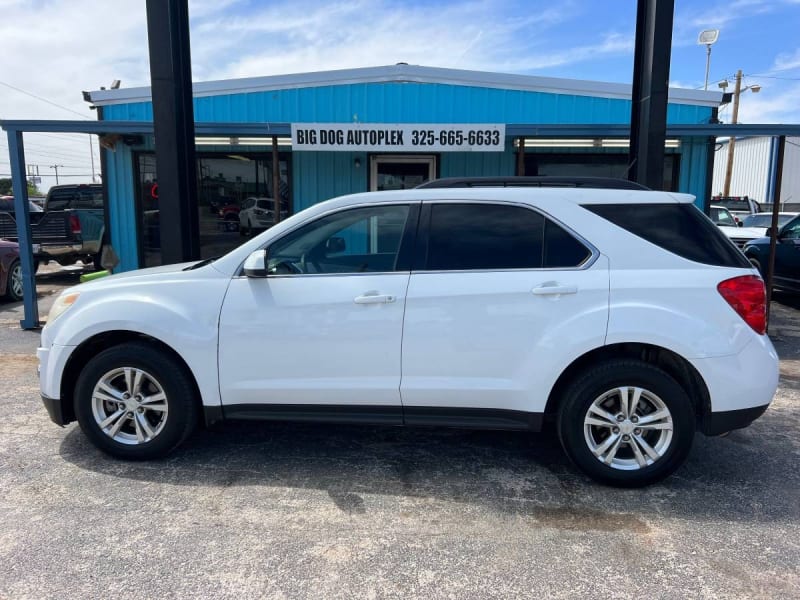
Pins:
x: 388, y: 137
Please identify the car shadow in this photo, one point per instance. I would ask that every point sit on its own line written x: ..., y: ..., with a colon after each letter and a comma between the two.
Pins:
x: 512, y: 473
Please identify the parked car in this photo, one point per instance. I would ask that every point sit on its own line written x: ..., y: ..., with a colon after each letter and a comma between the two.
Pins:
x: 622, y: 318
x: 737, y: 233
x: 764, y: 220
x: 7, y: 205
x: 10, y: 271
x: 740, y: 206
x: 258, y: 213
x: 787, y: 256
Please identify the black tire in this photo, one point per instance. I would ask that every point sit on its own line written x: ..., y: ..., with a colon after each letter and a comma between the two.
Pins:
x: 594, y: 384
x: 13, y: 290
x: 182, y: 405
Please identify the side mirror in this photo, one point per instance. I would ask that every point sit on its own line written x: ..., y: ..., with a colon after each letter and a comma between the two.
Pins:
x: 256, y: 264
x: 768, y: 232
x: 335, y: 245
x: 740, y: 223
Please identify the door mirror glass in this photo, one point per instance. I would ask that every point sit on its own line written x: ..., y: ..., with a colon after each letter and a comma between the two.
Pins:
x: 335, y: 245
x: 256, y: 264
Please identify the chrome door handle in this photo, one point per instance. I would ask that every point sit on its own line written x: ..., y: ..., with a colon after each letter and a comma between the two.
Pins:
x: 371, y: 298
x: 554, y: 290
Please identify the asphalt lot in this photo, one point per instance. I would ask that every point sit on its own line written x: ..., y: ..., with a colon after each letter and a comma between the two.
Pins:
x: 299, y: 511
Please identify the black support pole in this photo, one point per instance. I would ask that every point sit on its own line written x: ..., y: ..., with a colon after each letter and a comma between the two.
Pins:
x: 173, y: 122
x: 650, y: 90
x: 776, y: 207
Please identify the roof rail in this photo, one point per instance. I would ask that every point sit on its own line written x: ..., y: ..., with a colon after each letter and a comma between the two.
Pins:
x: 550, y: 181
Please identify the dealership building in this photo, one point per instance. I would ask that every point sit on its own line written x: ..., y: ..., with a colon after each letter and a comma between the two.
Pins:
x: 379, y: 128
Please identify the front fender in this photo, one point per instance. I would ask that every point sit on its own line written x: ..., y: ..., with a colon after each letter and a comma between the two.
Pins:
x: 188, y: 326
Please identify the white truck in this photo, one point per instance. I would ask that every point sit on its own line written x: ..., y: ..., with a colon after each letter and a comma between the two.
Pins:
x: 739, y: 206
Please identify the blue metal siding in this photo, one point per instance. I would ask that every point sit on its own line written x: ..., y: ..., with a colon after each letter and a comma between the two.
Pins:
x: 409, y: 102
x: 121, y: 207
x: 694, y: 168
x: 317, y: 176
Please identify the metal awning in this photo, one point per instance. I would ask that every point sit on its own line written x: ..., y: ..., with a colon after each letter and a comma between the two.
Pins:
x: 16, y: 149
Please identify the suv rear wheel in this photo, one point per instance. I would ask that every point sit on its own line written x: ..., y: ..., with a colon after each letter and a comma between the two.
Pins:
x: 135, y: 402
x: 626, y: 423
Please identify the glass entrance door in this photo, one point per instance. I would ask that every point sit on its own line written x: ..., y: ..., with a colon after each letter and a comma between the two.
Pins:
x: 400, y: 172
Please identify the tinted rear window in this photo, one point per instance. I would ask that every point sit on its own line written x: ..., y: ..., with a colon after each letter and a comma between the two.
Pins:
x: 478, y: 236
x: 76, y: 198
x: 679, y: 228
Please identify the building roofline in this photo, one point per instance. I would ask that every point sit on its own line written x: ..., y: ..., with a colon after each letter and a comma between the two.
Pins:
x: 403, y: 73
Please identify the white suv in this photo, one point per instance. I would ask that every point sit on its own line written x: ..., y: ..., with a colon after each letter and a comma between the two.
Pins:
x: 625, y: 319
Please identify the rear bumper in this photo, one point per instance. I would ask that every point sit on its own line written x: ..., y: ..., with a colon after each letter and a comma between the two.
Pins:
x: 747, y: 380
x: 59, y: 250
x: 723, y: 422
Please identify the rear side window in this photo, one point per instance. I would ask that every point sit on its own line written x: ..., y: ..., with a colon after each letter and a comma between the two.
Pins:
x: 679, y: 228
x: 490, y: 236
x: 484, y: 236
x: 561, y: 249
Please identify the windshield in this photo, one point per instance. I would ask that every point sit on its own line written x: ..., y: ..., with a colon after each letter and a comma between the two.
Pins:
x: 765, y: 220
x: 721, y: 216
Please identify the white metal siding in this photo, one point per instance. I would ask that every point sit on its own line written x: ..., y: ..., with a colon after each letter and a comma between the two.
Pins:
x: 790, y: 186
x: 751, y: 169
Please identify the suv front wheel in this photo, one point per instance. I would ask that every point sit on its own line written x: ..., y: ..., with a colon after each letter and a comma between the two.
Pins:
x: 135, y: 402
x: 626, y: 423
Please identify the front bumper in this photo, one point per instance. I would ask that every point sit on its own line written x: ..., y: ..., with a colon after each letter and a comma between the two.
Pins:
x: 55, y: 410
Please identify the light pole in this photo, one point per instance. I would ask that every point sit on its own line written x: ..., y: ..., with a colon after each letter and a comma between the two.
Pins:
x: 708, y: 37
x: 755, y: 88
x: 56, y: 168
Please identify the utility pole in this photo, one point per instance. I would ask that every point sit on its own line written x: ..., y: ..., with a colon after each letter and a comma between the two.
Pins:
x: 726, y: 189
x: 91, y: 155
x: 56, y: 168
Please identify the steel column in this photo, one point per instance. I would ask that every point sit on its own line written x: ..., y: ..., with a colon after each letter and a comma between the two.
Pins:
x: 650, y: 92
x: 19, y: 183
x: 776, y: 207
x: 173, y: 121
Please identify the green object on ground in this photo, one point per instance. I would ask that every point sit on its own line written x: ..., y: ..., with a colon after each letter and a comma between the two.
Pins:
x: 96, y: 275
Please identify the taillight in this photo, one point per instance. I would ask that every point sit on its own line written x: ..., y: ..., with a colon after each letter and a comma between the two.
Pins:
x: 748, y: 297
x: 75, y: 224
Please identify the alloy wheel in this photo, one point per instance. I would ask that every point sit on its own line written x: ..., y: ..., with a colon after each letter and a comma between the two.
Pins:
x: 129, y: 405
x: 628, y: 428
x: 16, y: 281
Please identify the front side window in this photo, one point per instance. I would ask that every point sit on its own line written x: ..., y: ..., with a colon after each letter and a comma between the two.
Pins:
x: 792, y: 230
x: 359, y: 240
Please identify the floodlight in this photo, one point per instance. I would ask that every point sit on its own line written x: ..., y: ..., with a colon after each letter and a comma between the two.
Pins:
x: 708, y: 36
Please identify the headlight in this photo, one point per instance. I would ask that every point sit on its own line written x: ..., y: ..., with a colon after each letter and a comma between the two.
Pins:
x: 60, y: 306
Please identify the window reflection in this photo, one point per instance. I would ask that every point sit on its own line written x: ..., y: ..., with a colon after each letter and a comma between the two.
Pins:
x: 225, y: 182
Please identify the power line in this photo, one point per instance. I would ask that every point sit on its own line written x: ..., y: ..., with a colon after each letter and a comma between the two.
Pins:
x: 21, y: 91
x: 60, y: 175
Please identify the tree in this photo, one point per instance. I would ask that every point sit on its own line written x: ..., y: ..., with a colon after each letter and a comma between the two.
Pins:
x: 6, y: 190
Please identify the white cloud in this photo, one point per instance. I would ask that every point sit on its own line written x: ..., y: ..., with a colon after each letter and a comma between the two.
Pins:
x: 787, y: 61
x: 773, y: 104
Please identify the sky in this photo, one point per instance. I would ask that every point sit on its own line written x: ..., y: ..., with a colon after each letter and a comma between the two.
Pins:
x: 54, y: 49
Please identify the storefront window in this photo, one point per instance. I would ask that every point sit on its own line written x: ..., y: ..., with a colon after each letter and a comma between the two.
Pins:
x: 225, y: 182
x: 594, y: 165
